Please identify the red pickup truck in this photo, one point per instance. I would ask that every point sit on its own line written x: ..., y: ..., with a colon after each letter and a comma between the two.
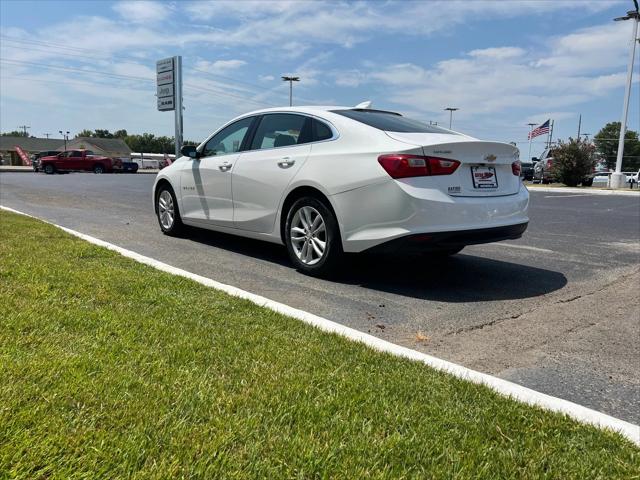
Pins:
x: 79, y: 160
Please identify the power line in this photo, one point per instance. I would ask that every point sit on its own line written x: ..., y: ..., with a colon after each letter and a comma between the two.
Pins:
x: 128, y: 61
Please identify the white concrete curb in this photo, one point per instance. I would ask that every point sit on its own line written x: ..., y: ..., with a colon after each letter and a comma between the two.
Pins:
x: 585, y: 191
x: 504, y: 387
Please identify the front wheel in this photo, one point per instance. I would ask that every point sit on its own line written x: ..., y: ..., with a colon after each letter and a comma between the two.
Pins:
x: 168, y: 213
x: 312, y: 237
x: 49, y: 169
x: 98, y: 169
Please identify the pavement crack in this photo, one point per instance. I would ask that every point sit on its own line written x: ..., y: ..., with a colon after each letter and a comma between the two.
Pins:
x: 514, y: 316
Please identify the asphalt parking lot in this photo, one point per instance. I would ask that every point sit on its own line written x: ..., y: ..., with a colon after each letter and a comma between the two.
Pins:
x: 556, y: 311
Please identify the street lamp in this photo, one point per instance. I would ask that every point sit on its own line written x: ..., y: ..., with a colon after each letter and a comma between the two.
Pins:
x: 451, y: 110
x: 66, y: 137
x: 531, y: 125
x: 290, y: 80
x: 618, y: 179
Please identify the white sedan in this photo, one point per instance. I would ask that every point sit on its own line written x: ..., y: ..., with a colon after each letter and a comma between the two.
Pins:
x: 328, y: 180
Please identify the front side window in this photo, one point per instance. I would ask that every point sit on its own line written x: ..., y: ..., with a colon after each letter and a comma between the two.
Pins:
x: 281, y: 130
x: 228, y: 140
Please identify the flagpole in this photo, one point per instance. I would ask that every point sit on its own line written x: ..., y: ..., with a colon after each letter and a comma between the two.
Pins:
x: 550, y: 136
x: 530, y: 138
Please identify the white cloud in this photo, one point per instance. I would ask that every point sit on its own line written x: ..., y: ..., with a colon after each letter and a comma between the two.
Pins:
x: 498, y: 53
x: 220, y: 65
x: 266, y: 78
x: 143, y: 11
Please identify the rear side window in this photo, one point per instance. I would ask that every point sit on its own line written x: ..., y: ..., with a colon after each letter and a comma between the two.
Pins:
x: 281, y: 130
x: 321, y: 131
x: 390, y: 122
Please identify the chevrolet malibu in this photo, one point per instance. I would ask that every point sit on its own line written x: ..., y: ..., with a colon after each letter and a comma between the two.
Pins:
x: 328, y: 180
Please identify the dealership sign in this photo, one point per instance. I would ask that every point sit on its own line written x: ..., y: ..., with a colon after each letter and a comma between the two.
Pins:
x: 169, y: 92
x: 165, y: 82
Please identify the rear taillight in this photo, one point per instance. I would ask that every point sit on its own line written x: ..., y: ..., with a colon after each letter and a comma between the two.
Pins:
x: 516, y: 168
x: 549, y: 163
x: 400, y: 165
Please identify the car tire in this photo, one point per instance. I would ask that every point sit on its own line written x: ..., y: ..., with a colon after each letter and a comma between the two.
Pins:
x: 98, y: 169
x: 168, y: 212
x: 49, y: 169
x: 312, y: 237
x: 587, y: 183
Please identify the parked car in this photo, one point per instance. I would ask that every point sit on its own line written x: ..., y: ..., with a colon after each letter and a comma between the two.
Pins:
x: 527, y: 171
x: 128, y: 166
x: 328, y: 180
x: 79, y: 160
x: 543, y: 171
x: 35, y: 158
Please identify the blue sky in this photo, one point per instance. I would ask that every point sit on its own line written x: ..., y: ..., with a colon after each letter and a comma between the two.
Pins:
x: 73, y: 65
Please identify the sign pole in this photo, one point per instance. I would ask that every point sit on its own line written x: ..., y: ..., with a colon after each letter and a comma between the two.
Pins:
x: 178, y: 103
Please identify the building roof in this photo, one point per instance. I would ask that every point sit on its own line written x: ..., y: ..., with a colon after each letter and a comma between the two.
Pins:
x: 105, y: 144
x: 30, y: 144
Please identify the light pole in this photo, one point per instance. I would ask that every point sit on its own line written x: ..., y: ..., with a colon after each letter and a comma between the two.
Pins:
x: 66, y: 137
x: 451, y: 110
x: 618, y: 179
x: 290, y: 80
x: 531, y: 125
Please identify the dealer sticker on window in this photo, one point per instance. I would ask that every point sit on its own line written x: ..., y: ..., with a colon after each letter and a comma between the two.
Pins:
x: 484, y: 177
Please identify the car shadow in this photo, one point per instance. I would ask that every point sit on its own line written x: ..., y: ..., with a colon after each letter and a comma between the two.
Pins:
x: 456, y: 279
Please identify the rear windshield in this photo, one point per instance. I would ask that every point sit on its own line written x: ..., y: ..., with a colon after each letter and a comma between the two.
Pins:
x: 391, y: 122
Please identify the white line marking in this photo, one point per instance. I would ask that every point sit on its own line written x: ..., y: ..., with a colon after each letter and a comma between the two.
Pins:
x: 567, y: 196
x: 524, y: 247
x: 595, y: 191
x: 504, y: 387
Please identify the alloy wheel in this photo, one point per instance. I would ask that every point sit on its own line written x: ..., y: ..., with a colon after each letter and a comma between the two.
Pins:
x: 166, y: 210
x: 308, y: 235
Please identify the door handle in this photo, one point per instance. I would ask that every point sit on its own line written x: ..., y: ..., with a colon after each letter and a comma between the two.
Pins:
x: 286, y: 162
x: 225, y: 167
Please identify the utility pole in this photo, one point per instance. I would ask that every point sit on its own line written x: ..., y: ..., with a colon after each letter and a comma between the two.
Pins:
x: 451, y: 110
x: 618, y: 179
x: 47, y: 135
x: 579, y: 125
x: 290, y: 80
x: 65, y: 135
x: 531, y: 125
x: 24, y: 129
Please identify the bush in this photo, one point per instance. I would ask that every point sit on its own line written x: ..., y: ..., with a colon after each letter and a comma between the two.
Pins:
x: 573, y: 161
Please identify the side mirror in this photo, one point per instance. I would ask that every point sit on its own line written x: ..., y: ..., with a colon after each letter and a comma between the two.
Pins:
x: 189, y: 151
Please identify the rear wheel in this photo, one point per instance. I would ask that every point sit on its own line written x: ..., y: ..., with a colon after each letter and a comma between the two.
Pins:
x: 49, y: 169
x: 312, y: 237
x: 587, y: 182
x: 98, y: 169
x: 168, y: 213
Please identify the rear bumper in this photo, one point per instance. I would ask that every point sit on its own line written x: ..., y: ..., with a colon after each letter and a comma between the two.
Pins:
x: 380, y: 213
x: 425, y: 242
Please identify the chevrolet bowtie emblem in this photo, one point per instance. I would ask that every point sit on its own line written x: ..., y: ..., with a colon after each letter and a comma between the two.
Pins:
x: 490, y: 157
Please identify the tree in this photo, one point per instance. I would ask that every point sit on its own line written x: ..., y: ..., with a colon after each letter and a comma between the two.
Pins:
x: 120, y: 134
x: 84, y: 133
x: 606, y: 141
x: 573, y: 161
x: 15, y: 133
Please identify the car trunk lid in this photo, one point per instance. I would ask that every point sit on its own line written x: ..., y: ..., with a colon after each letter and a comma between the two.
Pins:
x: 485, y: 168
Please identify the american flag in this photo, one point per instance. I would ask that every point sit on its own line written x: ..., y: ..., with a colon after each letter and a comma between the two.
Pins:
x: 540, y: 130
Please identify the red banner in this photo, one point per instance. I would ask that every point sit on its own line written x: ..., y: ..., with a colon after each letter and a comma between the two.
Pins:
x: 23, y: 155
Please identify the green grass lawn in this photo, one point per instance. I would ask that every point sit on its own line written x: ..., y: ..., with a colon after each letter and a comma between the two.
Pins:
x: 111, y: 369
